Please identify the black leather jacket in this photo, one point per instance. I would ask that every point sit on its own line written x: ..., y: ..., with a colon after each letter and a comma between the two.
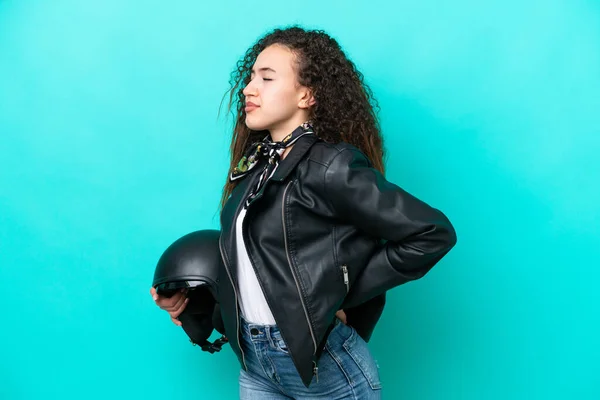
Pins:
x: 328, y: 232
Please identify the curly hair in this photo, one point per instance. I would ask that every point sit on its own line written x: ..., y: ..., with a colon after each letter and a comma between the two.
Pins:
x: 345, y: 109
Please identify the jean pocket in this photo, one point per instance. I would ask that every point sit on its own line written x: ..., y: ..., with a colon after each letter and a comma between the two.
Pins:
x: 279, y: 343
x: 359, y: 351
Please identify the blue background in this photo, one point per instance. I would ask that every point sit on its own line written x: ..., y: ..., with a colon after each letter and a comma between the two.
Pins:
x: 111, y: 147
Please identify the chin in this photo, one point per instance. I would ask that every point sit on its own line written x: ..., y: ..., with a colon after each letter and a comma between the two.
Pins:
x: 255, y: 125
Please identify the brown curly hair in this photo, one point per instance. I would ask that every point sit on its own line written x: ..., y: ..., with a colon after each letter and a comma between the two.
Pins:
x: 345, y: 109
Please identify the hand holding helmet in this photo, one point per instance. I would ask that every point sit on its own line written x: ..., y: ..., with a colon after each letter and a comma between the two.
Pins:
x: 173, y: 305
x: 192, y: 264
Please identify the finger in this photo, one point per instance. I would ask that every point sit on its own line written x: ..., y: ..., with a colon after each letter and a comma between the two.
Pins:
x: 179, y: 301
x: 169, y: 303
x: 153, y: 293
x: 178, y: 312
x: 176, y: 321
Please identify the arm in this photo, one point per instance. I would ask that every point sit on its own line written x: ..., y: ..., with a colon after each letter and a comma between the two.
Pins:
x: 416, y: 236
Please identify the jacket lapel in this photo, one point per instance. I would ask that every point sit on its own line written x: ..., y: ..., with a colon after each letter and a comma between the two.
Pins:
x: 232, y: 209
x: 233, y: 205
x: 288, y: 164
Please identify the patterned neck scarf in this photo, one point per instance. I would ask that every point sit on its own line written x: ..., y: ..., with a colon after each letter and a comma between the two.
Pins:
x: 271, y: 151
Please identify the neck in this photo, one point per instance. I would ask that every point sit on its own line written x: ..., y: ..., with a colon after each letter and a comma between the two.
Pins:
x: 286, y: 127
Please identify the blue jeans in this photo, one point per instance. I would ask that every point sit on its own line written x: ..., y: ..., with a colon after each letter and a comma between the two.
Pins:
x: 347, y: 369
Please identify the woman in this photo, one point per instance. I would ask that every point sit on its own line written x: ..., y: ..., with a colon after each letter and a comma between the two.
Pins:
x: 310, y: 228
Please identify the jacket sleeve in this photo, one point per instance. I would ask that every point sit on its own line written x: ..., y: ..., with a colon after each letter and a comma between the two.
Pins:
x: 414, y: 235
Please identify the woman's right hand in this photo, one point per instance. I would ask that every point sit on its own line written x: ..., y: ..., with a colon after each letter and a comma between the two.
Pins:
x: 174, y: 305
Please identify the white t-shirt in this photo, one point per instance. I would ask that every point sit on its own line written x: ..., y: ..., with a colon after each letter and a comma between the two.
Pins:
x: 253, y: 304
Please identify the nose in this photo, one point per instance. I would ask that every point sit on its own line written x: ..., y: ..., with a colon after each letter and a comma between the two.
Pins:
x: 249, y: 90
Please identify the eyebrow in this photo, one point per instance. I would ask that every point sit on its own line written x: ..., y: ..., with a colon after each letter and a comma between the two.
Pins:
x: 264, y: 69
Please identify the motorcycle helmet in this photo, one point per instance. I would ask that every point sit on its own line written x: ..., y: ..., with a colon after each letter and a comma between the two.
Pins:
x: 193, y: 262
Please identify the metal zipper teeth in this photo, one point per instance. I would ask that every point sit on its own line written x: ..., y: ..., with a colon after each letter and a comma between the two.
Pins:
x: 237, y: 317
x: 292, y: 269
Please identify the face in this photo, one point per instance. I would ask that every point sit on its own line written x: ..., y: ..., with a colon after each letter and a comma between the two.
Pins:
x: 274, y: 98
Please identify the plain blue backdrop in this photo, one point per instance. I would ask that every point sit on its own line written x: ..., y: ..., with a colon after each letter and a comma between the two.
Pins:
x: 111, y: 148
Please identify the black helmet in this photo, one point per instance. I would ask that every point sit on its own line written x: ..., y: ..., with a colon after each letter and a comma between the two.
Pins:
x: 193, y: 262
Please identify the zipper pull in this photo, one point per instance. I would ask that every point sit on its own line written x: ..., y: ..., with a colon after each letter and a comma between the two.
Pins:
x: 346, y: 280
x: 316, y: 371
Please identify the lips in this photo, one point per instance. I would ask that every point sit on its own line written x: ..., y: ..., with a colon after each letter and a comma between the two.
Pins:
x: 250, y: 106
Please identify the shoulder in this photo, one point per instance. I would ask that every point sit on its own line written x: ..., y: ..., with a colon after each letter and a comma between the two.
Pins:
x: 331, y: 154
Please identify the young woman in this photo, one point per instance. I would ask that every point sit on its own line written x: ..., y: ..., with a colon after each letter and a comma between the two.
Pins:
x: 312, y: 234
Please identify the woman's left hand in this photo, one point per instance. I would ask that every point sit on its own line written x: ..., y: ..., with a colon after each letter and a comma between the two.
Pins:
x: 341, y: 316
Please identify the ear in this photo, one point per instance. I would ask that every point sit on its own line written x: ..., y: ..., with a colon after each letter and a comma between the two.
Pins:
x: 307, y: 99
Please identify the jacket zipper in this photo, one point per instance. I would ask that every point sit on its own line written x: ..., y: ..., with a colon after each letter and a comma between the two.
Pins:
x: 346, y: 279
x: 315, y: 369
x: 237, y: 317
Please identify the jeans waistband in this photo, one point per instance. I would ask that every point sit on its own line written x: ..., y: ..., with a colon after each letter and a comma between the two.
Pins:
x: 259, y: 332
